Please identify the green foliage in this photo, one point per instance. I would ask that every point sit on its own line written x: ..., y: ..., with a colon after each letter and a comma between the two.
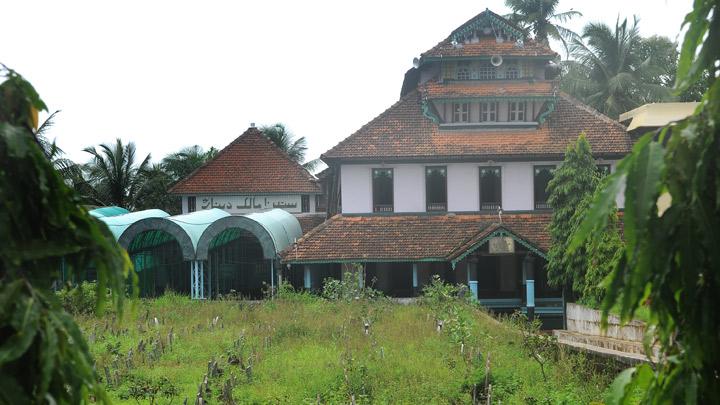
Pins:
x: 671, y: 262
x: 114, y: 175
x: 575, y: 179
x: 80, y: 299
x: 540, y: 17
x: 351, y: 287
x: 142, y: 388
x: 43, y: 356
x: 615, y: 70
x: 302, y: 351
x: 286, y: 141
x: 603, y: 253
x: 540, y: 347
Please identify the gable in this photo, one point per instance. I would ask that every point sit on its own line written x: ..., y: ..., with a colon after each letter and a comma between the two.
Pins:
x: 250, y: 164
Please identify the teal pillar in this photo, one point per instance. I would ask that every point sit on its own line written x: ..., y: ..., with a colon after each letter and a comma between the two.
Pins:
x: 307, y: 276
x: 529, y: 270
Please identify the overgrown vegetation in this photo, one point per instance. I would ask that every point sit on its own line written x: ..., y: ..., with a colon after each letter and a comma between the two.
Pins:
x: 43, y: 356
x: 671, y: 262
x: 300, y: 350
x: 579, y: 273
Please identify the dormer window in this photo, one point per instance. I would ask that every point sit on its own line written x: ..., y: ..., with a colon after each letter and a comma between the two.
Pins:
x: 487, y: 72
x: 488, y: 112
x: 512, y: 72
x: 461, y: 112
x: 516, y: 110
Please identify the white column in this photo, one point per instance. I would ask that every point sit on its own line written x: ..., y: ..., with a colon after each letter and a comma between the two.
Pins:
x: 415, y: 275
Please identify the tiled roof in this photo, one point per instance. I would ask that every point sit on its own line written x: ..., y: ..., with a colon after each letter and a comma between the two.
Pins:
x: 402, y: 132
x: 310, y: 221
x: 410, y: 237
x: 250, y: 164
x: 495, y: 88
x: 487, y: 47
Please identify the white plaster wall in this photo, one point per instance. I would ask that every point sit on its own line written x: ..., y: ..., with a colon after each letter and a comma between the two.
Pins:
x: 356, y: 186
x: 409, y: 188
x: 463, y: 185
x: 517, y: 186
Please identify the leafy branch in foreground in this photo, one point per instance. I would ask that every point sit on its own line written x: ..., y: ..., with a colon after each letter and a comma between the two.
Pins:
x: 43, y: 355
x: 671, y: 262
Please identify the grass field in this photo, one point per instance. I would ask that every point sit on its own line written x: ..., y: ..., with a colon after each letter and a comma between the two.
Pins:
x: 307, y: 350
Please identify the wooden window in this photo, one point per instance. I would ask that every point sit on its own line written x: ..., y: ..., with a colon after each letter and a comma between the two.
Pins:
x: 305, y: 203
x: 487, y: 72
x: 436, y: 188
x: 488, y: 112
x: 517, y: 110
x: 463, y: 73
x: 191, y: 204
x: 461, y: 112
x: 541, y: 178
x: 382, y: 189
x: 490, y: 188
x: 512, y: 72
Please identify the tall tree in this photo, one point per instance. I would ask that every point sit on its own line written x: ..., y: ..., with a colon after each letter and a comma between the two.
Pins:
x: 180, y: 164
x: 154, y: 191
x: 43, y: 355
x: 611, y: 71
x: 671, y: 260
x: 573, y: 181
x: 114, y: 174
x: 294, y: 147
x: 542, y: 19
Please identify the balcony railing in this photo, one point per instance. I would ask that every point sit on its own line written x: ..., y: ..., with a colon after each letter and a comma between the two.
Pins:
x: 436, y: 206
x: 383, y: 208
x: 489, y: 206
x: 542, y: 206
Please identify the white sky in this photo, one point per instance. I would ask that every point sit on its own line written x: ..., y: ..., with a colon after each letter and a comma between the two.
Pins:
x: 169, y: 74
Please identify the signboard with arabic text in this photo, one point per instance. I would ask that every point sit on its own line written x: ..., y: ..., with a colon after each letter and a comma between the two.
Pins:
x: 243, y: 204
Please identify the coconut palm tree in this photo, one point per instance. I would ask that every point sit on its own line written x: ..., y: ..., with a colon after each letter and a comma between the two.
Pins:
x: 611, y: 70
x: 180, y: 164
x: 114, y: 175
x: 542, y: 19
x: 295, y: 148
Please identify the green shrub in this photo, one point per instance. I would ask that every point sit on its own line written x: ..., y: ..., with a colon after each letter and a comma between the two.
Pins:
x: 351, y: 287
x: 78, y: 300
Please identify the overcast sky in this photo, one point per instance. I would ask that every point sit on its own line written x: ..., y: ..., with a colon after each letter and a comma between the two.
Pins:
x: 169, y: 74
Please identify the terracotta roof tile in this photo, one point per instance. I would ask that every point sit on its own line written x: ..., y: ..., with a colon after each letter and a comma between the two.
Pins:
x: 309, y: 221
x: 250, y: 164
x: 410, y: 237
x: 495, y: 88
x: 487, y: 47
x: 402, y: 132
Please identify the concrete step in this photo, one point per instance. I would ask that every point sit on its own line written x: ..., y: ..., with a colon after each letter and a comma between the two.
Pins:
x: 623, y: 350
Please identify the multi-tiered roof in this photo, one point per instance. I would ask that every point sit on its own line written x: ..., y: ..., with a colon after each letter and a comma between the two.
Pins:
x: 485, y: 64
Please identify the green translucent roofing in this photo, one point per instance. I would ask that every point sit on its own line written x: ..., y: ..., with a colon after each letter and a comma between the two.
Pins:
x: 195, y: 223
x: 119, y: 223
x: 282, y: 226
x: 108, y: 211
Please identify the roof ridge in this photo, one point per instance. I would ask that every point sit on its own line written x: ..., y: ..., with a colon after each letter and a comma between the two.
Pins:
x: 221, y: 152
x: 402, y: 99
x: 248, y: 132
x: 577, y: 103
x: 287, y: 156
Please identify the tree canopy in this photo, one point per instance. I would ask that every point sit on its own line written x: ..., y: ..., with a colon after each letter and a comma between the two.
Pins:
x: 43, y: 355
x: 671, y: 260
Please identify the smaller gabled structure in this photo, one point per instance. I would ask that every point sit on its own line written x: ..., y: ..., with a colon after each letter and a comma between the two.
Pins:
x: 251, y: 174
